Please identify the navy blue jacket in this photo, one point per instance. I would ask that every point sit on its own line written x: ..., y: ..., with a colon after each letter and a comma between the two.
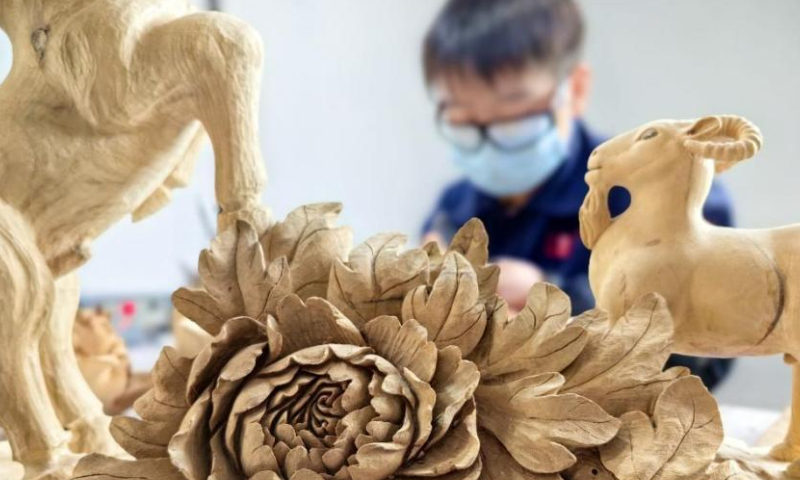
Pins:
x: 546, y: 230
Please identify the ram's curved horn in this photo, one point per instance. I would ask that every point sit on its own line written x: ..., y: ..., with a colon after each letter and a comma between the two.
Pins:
x: 746, y: 142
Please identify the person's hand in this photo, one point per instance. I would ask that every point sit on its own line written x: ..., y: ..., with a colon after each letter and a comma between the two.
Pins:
x: 516, y: 279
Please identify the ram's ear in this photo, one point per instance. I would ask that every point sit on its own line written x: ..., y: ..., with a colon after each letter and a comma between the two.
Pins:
x: 704, y: 128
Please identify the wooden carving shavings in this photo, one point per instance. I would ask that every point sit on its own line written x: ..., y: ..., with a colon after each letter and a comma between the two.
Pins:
x: 376, y: 278
x: 451, y: 310
x: 679, y: 441
x: 621, y: 366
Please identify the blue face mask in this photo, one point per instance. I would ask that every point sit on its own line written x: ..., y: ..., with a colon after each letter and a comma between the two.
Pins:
x: 501, y: 173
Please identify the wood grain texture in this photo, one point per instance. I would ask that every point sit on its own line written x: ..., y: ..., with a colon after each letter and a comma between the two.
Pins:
x: 102, y: 115
x: 732, y: 292
x: 408, y: 367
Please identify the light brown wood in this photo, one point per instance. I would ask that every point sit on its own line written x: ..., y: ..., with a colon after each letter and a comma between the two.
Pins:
x: 325, y: 362
x: 104, y: 362
x: 101, y: 354
x: 405, y: 364
x: 102, y: 114
x: 731, y: 291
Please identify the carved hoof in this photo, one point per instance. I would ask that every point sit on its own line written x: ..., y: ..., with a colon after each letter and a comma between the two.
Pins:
x: 92, y: 435
x: 785, y: 452
x: 59, y: 467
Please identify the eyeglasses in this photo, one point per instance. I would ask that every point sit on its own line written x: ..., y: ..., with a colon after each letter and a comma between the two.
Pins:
x: 510, y: 135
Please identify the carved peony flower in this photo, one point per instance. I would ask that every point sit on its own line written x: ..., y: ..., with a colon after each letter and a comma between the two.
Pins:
x: 381, y: 363
x: 307, y: 396
x: 301, y: 392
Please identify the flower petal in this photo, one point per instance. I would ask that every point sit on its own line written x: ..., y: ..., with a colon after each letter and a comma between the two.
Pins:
x: 161, y: 409
x: 309, y: 239
x: 406, y: 345
x: 235, y: 335
x: 191, y: 442
x: 313, y: 323
x: 451, y: 310
x: 230, y: 379
x: 221, y: 465
x: 376, y: 278
x: 455, y: 383
x: 263, y: 285
x: 457, y: 451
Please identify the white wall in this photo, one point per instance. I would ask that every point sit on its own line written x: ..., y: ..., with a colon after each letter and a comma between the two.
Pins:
x: 345, y: 116
x: 684, y: 59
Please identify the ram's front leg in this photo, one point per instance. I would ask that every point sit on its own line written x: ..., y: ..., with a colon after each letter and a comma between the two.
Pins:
x: 217, y: 60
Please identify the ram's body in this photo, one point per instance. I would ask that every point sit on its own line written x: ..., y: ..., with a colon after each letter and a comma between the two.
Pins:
x: 731, y: 292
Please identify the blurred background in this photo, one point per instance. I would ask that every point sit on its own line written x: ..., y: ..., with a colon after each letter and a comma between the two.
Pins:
x: 345, y: 116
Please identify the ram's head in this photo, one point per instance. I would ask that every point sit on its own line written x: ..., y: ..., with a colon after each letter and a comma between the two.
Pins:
x: 664, y: 159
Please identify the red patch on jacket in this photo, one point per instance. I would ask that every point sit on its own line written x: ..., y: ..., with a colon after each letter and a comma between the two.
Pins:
x: 559, y: 245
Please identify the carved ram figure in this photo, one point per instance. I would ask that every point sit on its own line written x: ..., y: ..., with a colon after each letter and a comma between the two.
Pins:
x: 732, y: 292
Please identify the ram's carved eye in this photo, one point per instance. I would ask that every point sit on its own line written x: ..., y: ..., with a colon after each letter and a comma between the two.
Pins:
x: 648, y: 134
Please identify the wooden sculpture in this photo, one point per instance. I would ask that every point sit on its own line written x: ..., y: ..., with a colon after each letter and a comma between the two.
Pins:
x: 731, y: 292
x: 324, y: 363
x: 389, y: 364
x: 101, y: 115
x: 104, y: 362
x: 101, y: 354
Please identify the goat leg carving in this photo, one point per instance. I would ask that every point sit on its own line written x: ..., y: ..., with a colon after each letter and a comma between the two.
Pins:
x: 101, y: 116
x: 732, y: 292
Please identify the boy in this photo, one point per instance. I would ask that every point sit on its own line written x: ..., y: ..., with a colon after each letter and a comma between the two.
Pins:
x: 511, y: 90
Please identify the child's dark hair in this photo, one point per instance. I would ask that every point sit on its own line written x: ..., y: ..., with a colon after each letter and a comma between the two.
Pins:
x: 486, y: 37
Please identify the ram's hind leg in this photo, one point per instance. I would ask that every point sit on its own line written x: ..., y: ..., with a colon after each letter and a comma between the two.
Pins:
x: 789, y: 449
x: 37, y: 437
x: 76, y: 405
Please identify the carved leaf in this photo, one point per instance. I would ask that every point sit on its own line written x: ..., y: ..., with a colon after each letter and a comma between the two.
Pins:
x: 538, y: 426
x: 620, y: 367
x: 376, y: 278
x: 236, y: 281
x: 161, y: 409
x: 498, y: 464
x: 536, y: 341
x: 472, y: 242
x: 244, y: 275
x: 451, y: 310
x: 311, y: 242
x: 680, y: 440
